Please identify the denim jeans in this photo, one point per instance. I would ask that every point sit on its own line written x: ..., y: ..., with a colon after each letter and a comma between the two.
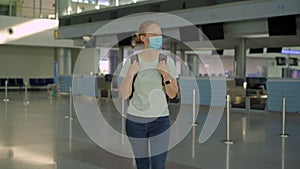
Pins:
x: 149, y: 138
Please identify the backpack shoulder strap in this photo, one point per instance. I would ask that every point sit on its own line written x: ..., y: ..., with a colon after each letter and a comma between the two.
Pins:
x: 162, y: 57
x: 133, y: 58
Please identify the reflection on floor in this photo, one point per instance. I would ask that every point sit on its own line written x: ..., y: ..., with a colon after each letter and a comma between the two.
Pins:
x: 38, y: 136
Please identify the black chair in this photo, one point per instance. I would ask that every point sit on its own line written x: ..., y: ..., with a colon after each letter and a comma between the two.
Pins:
x: 108, y: 77
x: 2, y: 82
x: 19, y: 82
x: 32, y: 82
x: 41, y: 82
x: 49, y: 81
x: 11, y: 82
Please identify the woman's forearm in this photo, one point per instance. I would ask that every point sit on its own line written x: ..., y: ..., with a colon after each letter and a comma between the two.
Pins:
x: 172, y: 88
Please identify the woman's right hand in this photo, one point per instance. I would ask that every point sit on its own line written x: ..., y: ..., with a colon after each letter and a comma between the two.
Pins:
x: 134, y: 68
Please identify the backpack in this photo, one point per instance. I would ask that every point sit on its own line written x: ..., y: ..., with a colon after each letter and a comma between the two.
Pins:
x: 161, y: 57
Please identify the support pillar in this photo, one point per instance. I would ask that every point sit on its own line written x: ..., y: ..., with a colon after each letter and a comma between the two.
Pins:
x: 34, y: 7
x: 96, y: 60
x: 10, y: 8
x: 193, y: 63
x: 240, y: 59
x: 113, y: 61
x: 121, y: 56
x: 63, y: 57
x: 41, y: 7
x: 182, y: 58
x: 173, y: 50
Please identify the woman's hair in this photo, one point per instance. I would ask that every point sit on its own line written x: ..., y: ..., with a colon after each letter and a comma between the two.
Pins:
x: 142, y: 30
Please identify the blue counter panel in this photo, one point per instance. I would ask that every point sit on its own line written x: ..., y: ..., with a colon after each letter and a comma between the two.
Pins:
x: 81, y: 85
x: 186, y: 91
x: 210, y: 92
x: 64, y: 83
x: 277, y: 87
x: 85, y: 85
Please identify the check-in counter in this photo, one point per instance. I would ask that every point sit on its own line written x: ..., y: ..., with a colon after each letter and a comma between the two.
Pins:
x: 64, y: 83
x: 208, y: 91
x: 212, y: 90
x: 236, y: 92
x: 248, y: 93
x: 92, y: 85
x: 85, y: 85
x: 276, y: 88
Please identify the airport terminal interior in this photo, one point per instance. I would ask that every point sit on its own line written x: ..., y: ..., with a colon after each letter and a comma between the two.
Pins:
x: 238, y: 63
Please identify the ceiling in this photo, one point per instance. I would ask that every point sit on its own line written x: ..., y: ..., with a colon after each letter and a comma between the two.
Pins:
x: 252, y: 24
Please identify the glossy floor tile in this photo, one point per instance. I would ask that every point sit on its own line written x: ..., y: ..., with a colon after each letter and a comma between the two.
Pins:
x: 39, y: 136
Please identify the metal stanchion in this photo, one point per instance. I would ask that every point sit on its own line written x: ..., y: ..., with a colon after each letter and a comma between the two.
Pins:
x: 194, y: 123
x: 70, y: 133
x: 70, y: 106
x: 247, y: 104
x: 123, y: 121
x: 123, y: 107
x: 5, y: 110
x: 26, y: 101
x: 193, y: 143
x: 26, y: 116
x: 228, y: 141
x: 123, y: 130
x: 283, y: 134
x: 227, y: 156
x: 6, y: 99
x: 282, y: 153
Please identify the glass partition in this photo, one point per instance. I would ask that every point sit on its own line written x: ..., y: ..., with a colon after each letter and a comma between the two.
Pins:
x: 28, y: 8
x: 47, y: 9
x: 69, y: 7
x: 51, y: 8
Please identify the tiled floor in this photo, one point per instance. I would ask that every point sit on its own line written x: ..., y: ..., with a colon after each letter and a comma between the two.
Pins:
x: 37, y: 136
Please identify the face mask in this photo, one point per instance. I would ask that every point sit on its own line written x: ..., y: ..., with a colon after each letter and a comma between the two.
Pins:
x: 155, y: 42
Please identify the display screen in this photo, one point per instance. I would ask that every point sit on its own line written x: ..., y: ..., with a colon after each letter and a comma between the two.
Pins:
x: 295, y: 74
x: 293, y: 61
x: 281, y: 61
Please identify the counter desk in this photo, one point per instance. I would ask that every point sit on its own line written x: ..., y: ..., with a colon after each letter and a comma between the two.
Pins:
x: 276, y: 88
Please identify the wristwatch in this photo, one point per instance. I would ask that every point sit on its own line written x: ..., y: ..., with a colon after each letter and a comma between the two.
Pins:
x: 167, y: 82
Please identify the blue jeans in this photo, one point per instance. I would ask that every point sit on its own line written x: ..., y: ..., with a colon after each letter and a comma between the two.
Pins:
x: 149, y: 138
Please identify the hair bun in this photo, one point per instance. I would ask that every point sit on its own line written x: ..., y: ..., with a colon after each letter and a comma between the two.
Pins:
x: 137, y: 38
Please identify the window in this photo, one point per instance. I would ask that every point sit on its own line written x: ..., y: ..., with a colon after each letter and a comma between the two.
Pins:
x: 101, y: 2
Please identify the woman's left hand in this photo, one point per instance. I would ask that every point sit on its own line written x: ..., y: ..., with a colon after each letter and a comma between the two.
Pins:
x: 163, y: 68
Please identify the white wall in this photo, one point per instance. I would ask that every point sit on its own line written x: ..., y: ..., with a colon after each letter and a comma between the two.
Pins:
x: 26, y: 62
x: 255, y: 66
x: 276, y: 71
x: 228, y: 64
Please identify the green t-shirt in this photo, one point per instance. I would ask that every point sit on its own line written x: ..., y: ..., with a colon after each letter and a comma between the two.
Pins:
x: 149, y: 98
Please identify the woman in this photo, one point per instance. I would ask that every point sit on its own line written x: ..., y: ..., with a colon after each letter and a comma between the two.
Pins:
x: 147, y: 121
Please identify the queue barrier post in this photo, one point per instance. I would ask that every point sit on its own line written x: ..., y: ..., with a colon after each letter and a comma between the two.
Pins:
x: 283, y: 134
x: 228, y: 140
x: 26, y: 100
x: 6, y: 98
x: 194, y: 123
x: 70, y: 106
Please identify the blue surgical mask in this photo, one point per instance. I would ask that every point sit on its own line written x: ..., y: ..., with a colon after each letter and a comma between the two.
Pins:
x: 155, y: 42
